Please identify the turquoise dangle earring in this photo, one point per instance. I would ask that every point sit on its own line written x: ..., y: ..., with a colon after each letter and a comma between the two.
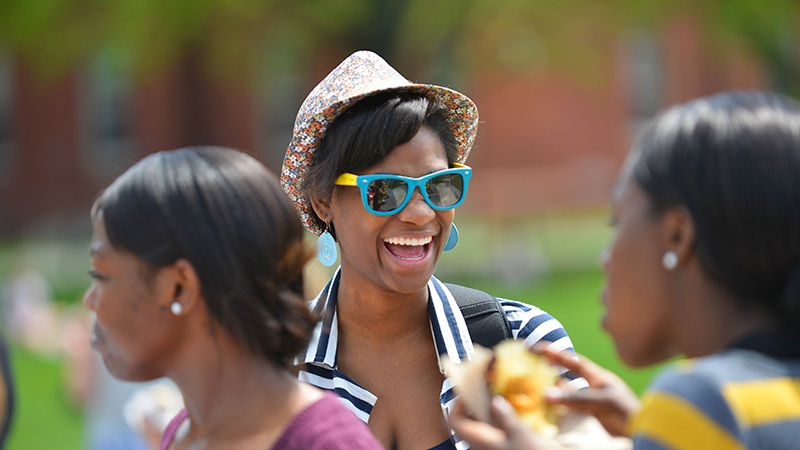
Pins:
x: 326, y: 247
x: 452, y: 240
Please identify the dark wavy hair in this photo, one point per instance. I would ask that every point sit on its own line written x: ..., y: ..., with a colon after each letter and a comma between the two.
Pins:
x: 226, y: 214
x: 733, y: 161
x: 367, y: 132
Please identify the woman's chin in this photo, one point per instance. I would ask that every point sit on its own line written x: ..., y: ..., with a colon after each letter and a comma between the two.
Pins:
x: 641, y: 357
x: 123, y: 371
x: 112, y: 367
x: 125, y: 374
x: 629, y: 355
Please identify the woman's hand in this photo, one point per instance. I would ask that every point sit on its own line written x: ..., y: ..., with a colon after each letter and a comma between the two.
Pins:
x: 508, y: 433
x: 608, y: 397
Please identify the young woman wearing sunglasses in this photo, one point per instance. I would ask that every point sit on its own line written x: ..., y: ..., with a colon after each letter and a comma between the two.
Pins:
x: 197, y: 260
x: 376, y: 163
x: 705, y: 263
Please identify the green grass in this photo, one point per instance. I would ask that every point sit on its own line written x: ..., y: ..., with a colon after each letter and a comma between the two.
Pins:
x: 44, y: 417
x: 572, y: 298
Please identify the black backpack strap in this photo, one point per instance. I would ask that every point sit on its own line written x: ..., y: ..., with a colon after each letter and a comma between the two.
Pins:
x: 486, y: 320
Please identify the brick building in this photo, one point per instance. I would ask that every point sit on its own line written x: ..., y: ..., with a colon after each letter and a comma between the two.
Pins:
x: 559, y: 139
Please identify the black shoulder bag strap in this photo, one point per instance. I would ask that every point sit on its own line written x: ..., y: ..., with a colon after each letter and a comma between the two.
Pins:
x: 486, y: 320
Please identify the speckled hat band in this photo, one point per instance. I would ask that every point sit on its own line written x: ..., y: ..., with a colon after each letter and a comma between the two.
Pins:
x: 360, y: 75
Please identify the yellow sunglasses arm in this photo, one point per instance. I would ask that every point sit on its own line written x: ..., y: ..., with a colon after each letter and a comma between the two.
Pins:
x: 346, y: 179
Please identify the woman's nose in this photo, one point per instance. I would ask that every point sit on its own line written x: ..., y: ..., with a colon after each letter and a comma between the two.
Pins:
x: 417, y: 210
x: 88, y: 297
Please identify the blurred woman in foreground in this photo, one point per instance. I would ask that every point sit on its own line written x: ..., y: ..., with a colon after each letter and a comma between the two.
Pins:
x: 197, y: 259
x: 705, y: 263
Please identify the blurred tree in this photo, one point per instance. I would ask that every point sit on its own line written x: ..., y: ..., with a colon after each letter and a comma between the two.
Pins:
x: 54, y: 35
x: 520, y: 36
x: 239, y: 37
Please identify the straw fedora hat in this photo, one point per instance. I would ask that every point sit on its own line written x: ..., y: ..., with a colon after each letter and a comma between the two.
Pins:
x: 361, y: 75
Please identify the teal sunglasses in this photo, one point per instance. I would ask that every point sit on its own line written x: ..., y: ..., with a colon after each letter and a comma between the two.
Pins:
x: 388, y: 194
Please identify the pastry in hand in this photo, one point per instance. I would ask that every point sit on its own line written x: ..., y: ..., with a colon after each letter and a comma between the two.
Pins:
x: 511, y: 370
x: 522, y: 377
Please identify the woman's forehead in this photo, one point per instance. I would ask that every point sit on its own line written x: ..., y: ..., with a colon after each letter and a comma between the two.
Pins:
x: 99, y: 244
x: 423, y: 154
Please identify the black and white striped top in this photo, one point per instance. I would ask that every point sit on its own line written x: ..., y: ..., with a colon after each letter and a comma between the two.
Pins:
x: 452, y: 340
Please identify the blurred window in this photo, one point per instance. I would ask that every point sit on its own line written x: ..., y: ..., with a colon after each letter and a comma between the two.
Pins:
x: 6, y: 119
x: 281, y: 94
x: 110, y: 146
x: 645, y: 72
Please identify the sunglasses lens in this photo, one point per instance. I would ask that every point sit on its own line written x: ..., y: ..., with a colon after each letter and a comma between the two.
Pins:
x: 386, y: 194
x: 446, y: 189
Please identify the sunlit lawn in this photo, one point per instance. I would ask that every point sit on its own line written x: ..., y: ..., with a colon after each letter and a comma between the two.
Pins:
x: 45, y: 419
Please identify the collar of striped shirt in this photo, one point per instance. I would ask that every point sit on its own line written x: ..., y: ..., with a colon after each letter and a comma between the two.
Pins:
x: 450, y: 334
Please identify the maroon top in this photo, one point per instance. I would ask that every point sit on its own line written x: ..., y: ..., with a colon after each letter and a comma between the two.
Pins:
x: 324, y: 425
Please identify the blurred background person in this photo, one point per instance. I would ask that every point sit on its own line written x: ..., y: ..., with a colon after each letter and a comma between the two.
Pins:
x: 29, y: 312
x: 8, y: 394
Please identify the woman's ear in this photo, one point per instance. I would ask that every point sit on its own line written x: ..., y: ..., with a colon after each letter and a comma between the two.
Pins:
x: 680, y: 233
x: 322, y: 208
x: 184, y: 288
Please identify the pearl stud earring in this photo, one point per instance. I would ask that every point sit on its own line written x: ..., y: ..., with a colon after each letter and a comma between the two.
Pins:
x: 669, y: 260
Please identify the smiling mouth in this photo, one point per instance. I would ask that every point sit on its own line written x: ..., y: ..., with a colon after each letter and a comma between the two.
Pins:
x: 408, y: 248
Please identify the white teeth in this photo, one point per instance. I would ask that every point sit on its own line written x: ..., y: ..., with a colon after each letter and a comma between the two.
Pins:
x: 408, y: 241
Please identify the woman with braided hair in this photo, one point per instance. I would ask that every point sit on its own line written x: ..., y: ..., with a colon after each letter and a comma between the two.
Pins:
x: 196, y: 261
